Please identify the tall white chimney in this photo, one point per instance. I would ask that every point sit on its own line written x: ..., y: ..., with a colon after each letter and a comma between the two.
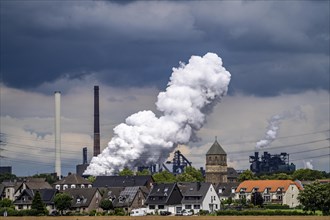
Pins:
x: 58, y: 134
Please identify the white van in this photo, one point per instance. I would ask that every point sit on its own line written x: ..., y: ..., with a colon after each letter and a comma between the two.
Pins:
x: 138, y: 212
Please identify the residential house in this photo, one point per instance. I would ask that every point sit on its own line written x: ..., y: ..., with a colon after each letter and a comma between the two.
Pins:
x: 84, y: 199
x: 272, y: 191
x: 24, y: 200
x: 128, y: 198
x: 164, y: 197
x: 226, y: 190
x: 33, y: 184
x: 8, y: 189
x: 199, y: 196
x: 123, y: 181
x: 72, y: 181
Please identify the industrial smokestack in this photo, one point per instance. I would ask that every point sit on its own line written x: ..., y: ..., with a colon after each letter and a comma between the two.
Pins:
x: 58, y: 134
x: 96, y: 122
x: 85, y: 155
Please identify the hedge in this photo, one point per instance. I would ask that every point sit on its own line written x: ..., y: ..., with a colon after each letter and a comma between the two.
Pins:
x: 266, y: 212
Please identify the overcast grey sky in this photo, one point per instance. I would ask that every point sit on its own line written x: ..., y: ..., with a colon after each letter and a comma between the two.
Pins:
x: 277, y: 53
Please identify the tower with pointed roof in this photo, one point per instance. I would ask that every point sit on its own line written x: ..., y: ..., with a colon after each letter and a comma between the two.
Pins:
x: 216, y: 164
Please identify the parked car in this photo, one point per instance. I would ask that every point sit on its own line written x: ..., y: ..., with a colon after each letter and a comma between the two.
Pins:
x: 165, y: 213
x: 186, y: 212
x: 138, y: 212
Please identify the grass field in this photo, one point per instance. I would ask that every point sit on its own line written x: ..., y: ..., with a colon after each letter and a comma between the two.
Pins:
x: 170, y: 218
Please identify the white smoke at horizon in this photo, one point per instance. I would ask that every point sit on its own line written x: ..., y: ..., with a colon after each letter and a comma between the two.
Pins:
x: 308, y: 164
x: 192, y: 92
x: 274, y: 125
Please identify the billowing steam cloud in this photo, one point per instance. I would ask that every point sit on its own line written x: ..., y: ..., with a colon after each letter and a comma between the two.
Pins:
x: 144, y: 138
x: 274, y: 125
x: 308, y: 164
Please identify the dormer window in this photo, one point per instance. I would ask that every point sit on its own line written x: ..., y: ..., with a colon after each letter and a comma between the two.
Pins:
x: 65, y: 187
x: 233, y: 190
x: 73, y: 186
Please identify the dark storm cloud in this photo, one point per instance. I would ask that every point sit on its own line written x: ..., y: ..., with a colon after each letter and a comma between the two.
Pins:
x: 269, y: 47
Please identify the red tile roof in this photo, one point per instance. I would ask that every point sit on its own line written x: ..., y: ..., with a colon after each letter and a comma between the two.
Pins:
x: 249, y: 185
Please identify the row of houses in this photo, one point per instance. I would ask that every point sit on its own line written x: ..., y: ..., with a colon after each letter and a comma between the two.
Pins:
x: 131, y: 192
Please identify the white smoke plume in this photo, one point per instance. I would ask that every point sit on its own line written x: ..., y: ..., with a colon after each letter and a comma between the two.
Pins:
x: 144, y: 138
x: 274, y: 125
x: 308, y: 164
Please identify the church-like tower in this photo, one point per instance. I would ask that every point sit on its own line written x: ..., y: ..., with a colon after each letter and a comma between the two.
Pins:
x: 216, y: 164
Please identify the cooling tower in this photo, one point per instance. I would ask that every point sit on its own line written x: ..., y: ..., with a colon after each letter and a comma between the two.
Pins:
x: 58, y: 134
x: 96, y: 122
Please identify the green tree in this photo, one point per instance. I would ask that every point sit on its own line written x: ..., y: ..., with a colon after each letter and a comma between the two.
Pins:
x: 185, y: 177
x: 307, y: 174
x: 106, y: 204
x: 62, y: 202
x: 6, y: 203
x: 315, y: 196
x: 190, y: 174
x: 91, y: 179
x: 195, y: 173
x: 144, y: 172
x: 246, y: 175
x: 256, y: 199
x: 126, y: 172
x: 164, y: 177
x: 38, y: 205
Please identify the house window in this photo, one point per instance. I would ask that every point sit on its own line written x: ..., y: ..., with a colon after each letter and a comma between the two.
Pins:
x: 65, y: 187
x: 58, y: 187
x: 90, y: 186
x: 161, y: 207
x: 267, y: 198
x: 197, y: 206
x: 279, y: 198
x: 267, y: 190
x: 20, y: 206
x: 73, y: 186
x: 187, y: 206
x: 78, y: 201
x: 82, y: 186
x: 151, y: 206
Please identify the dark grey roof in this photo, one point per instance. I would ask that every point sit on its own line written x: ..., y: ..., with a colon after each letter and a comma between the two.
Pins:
x: 47, y: 196
x: 231, y: 173
x: 226, y: 189
x: 216, y: 149
x: 72, y: 179
x: 164, y: 194
x: 121, y: 181
x: 194, y: 192
x: 81, y: 197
